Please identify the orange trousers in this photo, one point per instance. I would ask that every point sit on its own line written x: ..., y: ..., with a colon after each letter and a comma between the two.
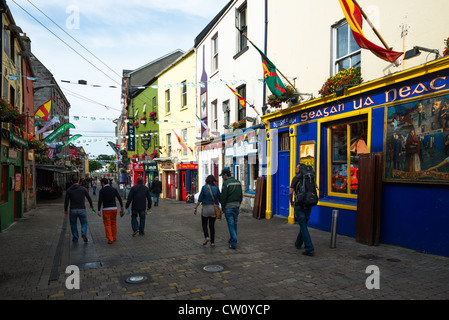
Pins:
x: 110, y: 224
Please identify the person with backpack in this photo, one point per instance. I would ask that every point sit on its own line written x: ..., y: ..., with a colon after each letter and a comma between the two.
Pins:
x: 303, y: 187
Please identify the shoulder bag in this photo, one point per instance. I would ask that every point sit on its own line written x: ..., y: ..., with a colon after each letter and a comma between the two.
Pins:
x: 218, y: 211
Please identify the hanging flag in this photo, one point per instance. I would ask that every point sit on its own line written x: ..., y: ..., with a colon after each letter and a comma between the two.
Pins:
x: 242, y: 101
x: 272, y: 79
x: 47, y: 125
x: 203, y: 124
x: 52, y: 136
x: 354, y: 17
x: 44, y: 110
x: 183, y: 145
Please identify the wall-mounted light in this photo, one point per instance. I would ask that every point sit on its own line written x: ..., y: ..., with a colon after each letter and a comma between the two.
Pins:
x: 416, y: 51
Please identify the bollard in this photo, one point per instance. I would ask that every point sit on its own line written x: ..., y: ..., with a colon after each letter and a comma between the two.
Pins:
x: 334, y: 229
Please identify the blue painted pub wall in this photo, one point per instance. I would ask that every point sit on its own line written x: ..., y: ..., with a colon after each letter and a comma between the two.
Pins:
x: 414, y: 215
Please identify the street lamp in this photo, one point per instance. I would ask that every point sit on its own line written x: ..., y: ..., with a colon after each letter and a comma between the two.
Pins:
x: 416, y: 51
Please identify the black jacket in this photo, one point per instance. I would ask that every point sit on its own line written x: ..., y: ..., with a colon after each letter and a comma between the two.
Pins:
x: 107, y: 197
x: 76, y: 195
x: 139, y: 195
x: 156, y: 187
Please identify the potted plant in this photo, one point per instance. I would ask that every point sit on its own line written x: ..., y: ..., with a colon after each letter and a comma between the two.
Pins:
x: 446, y: 49
x: 276, y: 102
x: 153, y: 115
x: 143, y: 120
x: 239, y: 124
x: 10, y: 114
x: 345, y: 78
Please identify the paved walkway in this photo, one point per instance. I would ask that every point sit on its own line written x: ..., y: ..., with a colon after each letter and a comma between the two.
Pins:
x: 36, y: 250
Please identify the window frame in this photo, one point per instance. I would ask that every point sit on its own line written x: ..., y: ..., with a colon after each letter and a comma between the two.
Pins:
x: 214, y: 51
x: 184, y: 94
x: 167, y: 101
x: 242, y: 26
x: 335, y: 60
x: 241, y: 111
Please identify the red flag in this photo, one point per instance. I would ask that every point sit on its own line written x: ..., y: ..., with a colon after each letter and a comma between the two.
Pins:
x: 183, y: 145
x: 44, y: 110
x: 354, y: 18
x: 242, y: 101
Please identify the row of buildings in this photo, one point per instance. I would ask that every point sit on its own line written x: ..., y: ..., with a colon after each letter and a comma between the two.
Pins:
x: 376, y: 132
x: 29, y: 172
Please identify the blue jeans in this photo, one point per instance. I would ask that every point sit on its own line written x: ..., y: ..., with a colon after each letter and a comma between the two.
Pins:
x: 74, y: 215
x: 141, y: 224
x: 302, y: 217
x: 156, y: 198
x: 232, y: 215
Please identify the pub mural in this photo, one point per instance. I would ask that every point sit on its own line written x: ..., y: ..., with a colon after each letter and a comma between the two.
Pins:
x: 417, y: 141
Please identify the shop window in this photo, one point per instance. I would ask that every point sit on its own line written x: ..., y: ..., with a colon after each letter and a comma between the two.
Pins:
x: 348, y: 141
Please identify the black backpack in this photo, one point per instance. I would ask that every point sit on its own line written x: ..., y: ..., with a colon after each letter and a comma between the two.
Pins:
x: 306, y: 189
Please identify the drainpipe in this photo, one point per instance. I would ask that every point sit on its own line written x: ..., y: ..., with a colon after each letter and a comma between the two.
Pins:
x: 265, y: 51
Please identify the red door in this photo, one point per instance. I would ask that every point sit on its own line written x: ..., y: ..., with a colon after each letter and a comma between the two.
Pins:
x: 184, y: 185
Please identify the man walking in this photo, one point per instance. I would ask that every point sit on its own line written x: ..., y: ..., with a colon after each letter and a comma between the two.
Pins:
x: 138, y: 195
x: 302, y: 216
x: 156, y: 189
x: 75, y: 195
x: 106, y: 197
x: 231, y: 198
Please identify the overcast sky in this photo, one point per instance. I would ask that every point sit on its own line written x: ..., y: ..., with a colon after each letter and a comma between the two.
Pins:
x: 121, y: 34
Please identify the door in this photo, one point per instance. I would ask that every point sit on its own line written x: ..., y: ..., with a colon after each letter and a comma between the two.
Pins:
x: 183, y: 185
x: 284, y: 182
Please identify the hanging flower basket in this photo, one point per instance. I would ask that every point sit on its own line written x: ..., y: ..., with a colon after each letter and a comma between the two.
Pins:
x: 153, y: 154
x: 143, y: 120
x: 136, y: 124
x: 11, y: 115
x: 153, y: 115
x: 276, y: 102
x: 239, y: 125
x: 349, y: 77
x: 446, y: 49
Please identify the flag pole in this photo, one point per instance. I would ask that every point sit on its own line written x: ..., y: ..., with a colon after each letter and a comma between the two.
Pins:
x: 372, y: 26
x: 275, y: 66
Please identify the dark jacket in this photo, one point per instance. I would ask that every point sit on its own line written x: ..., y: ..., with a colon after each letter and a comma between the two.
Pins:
x: 107, y: 197
x: 231, y: 192
x: 156, y: 187
x: 76, y: 195
x: 206, y: 197
x: 139, y: 195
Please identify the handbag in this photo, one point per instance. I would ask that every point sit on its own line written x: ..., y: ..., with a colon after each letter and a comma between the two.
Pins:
x: 218, y: 212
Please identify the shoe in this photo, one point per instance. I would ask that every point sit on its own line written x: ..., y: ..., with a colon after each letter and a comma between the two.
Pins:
x: 231, y: 247
x: 85, y: 238
x: 135, y: 232
x: 310, y: 254
x: 206, y: 241
x: 212, y: 245
x: 110, y: 242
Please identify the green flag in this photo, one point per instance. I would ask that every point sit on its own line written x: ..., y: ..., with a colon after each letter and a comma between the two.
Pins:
x: 52, y: 136
x: 272, y: 79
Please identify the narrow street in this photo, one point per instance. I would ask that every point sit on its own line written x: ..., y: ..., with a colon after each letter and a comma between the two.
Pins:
x: 171, y: 259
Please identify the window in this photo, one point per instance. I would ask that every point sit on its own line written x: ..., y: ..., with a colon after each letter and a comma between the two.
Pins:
x: 242, y: 42
x: 253, y: 171
x: 241, y: 109
x: 167, y: 101
x: 184, y: 139
x: 284, y: 141
x: 214, y: 115
x: 227, y: 113
x: 348, y: 141
x: 184, y: 94
x: 347, y: 52
x: 169, y: 144
x: 215, y: 53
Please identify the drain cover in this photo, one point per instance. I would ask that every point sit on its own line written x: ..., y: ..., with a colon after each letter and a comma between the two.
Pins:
x: 213, y: 268
x: 136, y: 279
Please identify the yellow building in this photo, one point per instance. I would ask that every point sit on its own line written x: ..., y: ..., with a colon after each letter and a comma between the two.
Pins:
x: 177, y: 162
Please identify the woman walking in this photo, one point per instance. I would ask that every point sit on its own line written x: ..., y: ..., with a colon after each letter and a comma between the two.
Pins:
x: 209, y: 195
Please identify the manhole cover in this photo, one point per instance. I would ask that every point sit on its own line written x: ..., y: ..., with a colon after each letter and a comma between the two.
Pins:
x: 213, y: 268
x: 136, y: 279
